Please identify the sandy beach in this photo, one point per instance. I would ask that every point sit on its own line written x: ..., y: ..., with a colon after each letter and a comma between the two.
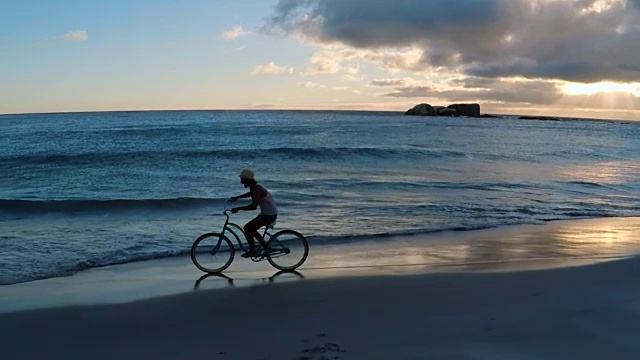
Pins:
x: 541, y: 308
x: 448, y: 179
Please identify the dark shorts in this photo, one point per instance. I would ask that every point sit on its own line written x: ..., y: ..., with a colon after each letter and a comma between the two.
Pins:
x: 267, y: 219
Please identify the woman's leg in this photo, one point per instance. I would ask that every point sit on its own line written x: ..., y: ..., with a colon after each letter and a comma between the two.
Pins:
x: 251, y: 232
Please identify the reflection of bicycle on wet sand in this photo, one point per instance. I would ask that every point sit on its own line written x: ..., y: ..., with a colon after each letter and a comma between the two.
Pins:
x: 285, y: 274
x: 214, y: 252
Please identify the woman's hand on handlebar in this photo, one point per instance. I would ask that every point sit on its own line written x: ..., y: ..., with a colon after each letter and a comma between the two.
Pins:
x: 234, y: 210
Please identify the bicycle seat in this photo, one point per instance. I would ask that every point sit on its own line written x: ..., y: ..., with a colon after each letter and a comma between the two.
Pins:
x: 271, y: 225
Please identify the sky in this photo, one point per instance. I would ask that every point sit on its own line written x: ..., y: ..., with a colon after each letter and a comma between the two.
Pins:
x: 574, y: 58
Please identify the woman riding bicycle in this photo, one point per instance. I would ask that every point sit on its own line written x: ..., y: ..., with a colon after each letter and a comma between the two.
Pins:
x: 260, y: 197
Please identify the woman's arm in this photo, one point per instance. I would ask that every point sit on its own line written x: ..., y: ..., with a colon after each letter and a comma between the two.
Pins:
x: 235, y: 198
x: 252, y: 206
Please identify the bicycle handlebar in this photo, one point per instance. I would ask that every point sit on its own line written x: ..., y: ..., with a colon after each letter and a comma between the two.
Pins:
x: 226, y: 210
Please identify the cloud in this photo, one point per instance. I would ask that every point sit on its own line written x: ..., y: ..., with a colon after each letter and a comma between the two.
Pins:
x: 538, y: 92
x: 573, y: 40
x: 336, y: 59
x: 394, y: 82
x: 258, y: 106
x: 635, y: 3
x: 515, y: 92
x: 350, y: 73
x: 352, y: 70
x: 333, y: 61
x: 352, y: 78
x: 233, y: 33
x: 311, y: 84
x: 323, y: 62
x: 271, y: 68
x: 77, y: 35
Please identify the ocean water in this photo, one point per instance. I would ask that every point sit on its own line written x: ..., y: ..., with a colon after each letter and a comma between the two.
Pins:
x: 90, y: 189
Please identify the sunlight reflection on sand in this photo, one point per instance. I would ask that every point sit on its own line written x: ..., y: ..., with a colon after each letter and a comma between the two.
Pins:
x: 593, y: 238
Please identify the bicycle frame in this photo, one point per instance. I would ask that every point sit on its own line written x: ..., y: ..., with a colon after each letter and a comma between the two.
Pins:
x: 225, y: 228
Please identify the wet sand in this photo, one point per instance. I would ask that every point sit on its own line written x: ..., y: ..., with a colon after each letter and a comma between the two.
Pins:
x: 579, y: 298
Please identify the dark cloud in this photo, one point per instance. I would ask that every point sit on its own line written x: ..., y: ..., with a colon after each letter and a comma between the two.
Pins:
x: 574, y: 40
x: 286, y: 10
x: 537, y: 93
x: 403, y: 22
x: 475, y: 83
x: 394, y: 23
x: 414, y: 92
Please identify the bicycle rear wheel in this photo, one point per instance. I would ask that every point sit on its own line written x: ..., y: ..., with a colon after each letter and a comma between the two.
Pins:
x: 212, y: 253
x: 287, y: 250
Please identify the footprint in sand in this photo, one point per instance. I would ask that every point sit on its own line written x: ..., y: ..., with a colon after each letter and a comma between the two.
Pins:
x: 323, y: 351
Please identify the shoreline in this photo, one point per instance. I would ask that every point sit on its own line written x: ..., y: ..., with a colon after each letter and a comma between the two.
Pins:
x: 566, y: 243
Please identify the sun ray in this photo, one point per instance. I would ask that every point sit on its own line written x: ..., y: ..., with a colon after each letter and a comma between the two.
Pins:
x: 601, y: 87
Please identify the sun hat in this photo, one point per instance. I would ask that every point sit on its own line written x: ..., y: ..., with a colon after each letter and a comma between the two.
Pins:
x: 247, y: 174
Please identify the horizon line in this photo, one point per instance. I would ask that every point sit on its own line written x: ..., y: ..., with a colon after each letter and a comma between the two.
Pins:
x: 293, y: 110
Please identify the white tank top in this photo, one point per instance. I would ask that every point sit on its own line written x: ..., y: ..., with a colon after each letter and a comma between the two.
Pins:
x: 267, y: 205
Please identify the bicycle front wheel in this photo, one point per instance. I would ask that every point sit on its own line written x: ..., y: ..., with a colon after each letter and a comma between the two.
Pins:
x: 287, y: 250
x: 212, y: 253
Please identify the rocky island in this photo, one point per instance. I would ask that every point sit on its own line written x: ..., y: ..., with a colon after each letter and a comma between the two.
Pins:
x: 470, y: 110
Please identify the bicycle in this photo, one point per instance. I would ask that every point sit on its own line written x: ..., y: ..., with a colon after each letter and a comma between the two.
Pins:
x: 214, y: 252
